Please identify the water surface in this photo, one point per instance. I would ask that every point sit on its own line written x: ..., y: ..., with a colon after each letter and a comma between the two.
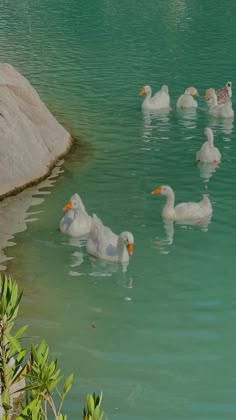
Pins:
x: 164, y: 337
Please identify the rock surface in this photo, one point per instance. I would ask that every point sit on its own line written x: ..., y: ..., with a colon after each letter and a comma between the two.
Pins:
x: 31, y: 139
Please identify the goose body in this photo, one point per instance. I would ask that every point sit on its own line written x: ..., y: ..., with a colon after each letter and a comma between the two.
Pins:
x: 186, y: 100
x: 223, y: 94
x: 76, y: 221
x: 183, y: 211
x: 160, y: 100
x: 208, y: 152
x: 106, y: 245
x: 223, y: 110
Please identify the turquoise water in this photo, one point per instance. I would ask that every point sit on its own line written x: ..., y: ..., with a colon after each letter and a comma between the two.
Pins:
x: 163, y: 346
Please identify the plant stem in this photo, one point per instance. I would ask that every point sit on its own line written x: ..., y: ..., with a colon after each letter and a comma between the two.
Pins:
x: 52, y: 405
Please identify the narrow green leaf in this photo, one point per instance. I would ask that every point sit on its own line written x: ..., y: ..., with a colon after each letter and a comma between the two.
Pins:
x: 34, y: 353
x: 91, y: 403
x: 21, y: 331
x: 55, y: 383
x: 51, y: 368
x: 96, y: 413
x: 44, y: 357
x: 41, y: 349
x: 68, y: 383
x: 100, y: 399
x: 5, y: 397
x: 30, y: 406
x: 29, y: 387
x: 14, y: 342
x: 55, y: 375
x: 20, y: 356
x: 61, y: 417
x: 19, y: 373
x: 6, y: 406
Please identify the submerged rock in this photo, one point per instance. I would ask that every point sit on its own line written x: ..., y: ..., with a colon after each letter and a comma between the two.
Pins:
x: 31, y: 139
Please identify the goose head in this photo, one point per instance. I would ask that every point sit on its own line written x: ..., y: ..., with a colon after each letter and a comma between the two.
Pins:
x: 192, y: 91
x: 145, y: 89
x: 207, y: 93
x: 210, y: 97
x: 127, y: 240
x: 163, y: 190
x: 74, y: 203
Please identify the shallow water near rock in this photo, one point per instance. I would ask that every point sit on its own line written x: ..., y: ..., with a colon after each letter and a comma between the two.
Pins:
x: 158, y: 336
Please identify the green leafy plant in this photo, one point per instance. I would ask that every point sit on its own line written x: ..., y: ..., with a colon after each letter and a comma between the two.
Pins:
x: 43, y: 379
x: 92, y: 409
x: 12, y: 357
x: 29, y: 385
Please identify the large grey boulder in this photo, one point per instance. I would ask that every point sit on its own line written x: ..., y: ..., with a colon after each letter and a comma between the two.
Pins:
x: 31, y: 139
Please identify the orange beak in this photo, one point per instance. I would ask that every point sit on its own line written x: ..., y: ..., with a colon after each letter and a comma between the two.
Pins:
x: 156, y: 191
x: 142, y: 91
x: 68, y: 206
x: 196, y: 93
x: 130, y: 248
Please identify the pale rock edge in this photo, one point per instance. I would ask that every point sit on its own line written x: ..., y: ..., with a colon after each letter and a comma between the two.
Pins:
x: 31, y: 139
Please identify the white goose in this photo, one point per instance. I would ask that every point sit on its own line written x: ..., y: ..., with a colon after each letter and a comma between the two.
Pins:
x: 222, y: 94
x: 183, y: 211
x: 76, y: 221
x: 160, y: 100
x: 208, y: 152
x: 186, y: 100
x: 223, y: 110
x: 106, y: 245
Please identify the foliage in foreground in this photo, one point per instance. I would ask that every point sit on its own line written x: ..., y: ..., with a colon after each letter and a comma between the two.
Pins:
x: 28, y: 385
x: 92, y: 409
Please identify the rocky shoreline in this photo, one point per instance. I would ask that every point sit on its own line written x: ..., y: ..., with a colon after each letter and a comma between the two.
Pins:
x: 31, y: 139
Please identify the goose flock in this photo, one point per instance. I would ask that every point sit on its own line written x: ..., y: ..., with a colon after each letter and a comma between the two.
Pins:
x: 219, y: 101
x: 101, y: 241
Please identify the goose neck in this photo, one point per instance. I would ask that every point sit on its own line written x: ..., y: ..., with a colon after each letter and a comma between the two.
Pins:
x: 148, y: 93
x: 121, y: 250
x: 170, y: 199
x: 210, y: 139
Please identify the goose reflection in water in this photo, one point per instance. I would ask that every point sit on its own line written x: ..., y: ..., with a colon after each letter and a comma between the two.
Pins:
x: 223, y: 125
x: 206, y: 170
x: 169, y: 227
x: 155, y: 120
x: 106, y: 268
x: 188, y: 117
x: 97, y: 267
